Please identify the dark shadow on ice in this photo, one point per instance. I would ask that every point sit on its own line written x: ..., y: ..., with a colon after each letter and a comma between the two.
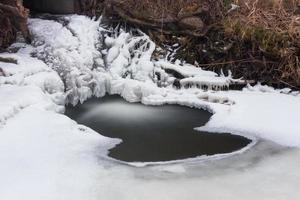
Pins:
x: 152, y: 134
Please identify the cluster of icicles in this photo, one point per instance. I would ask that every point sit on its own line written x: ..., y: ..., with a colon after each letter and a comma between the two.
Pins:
x: 88, y: 64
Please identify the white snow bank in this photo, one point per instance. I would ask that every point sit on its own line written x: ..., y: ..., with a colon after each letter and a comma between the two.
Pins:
x: 272, y: 178
x: 45, y: 155
x: 30, y: 71
x: 16, y: 98
x: 271, y: 116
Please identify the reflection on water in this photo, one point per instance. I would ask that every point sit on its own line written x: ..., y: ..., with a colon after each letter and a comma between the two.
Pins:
x: 153, y: 134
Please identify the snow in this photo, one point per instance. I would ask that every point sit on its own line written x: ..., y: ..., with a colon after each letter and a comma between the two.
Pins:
x: 45, y: 155
x: 186, y: 70
x: 73, y: 52
x: 49, y: 159
x: 133, y: 90
x: 247, y: 184
x: 271, y: 116
x: 16, y: 98
x: 130, y: 56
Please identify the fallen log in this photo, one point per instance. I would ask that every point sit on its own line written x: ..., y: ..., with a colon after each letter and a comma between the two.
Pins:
x: 8, y: 60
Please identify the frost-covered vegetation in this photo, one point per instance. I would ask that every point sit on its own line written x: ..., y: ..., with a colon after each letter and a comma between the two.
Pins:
x: 83, y: 59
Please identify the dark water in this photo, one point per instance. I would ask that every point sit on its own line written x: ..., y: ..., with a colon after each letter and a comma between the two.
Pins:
x: 51, y: 6
x: 153, y: 134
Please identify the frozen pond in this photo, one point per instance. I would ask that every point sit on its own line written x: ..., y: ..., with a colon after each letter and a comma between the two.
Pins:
x: 152, y: 134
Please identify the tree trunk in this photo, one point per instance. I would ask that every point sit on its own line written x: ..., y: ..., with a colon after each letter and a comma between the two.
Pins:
x: 13, y: 19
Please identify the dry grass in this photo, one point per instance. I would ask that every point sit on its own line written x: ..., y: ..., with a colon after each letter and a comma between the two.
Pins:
x: 280, y: 16
x: 259, y: 41
x: 273, y: 26
x: 168, y: 10
x: 261, y: 38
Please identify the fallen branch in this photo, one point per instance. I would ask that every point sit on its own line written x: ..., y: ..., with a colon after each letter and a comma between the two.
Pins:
x: 8, y: 60
x: 289, y: 85
x: 232, y: 62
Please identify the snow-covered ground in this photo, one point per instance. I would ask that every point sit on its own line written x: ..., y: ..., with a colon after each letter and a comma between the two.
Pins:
x: 45, y: 155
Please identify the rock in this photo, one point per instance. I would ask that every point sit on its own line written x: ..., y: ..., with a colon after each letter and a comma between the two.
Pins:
x: 2, y: 72
x: 192, y: 23
x: 169, y: 16
x: 89, y: 7
x: 193, y: 9
x: 13, y: 19
x: 177, y: 84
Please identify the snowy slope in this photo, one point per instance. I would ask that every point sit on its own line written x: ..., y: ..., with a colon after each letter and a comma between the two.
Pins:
x: 43, y: 153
